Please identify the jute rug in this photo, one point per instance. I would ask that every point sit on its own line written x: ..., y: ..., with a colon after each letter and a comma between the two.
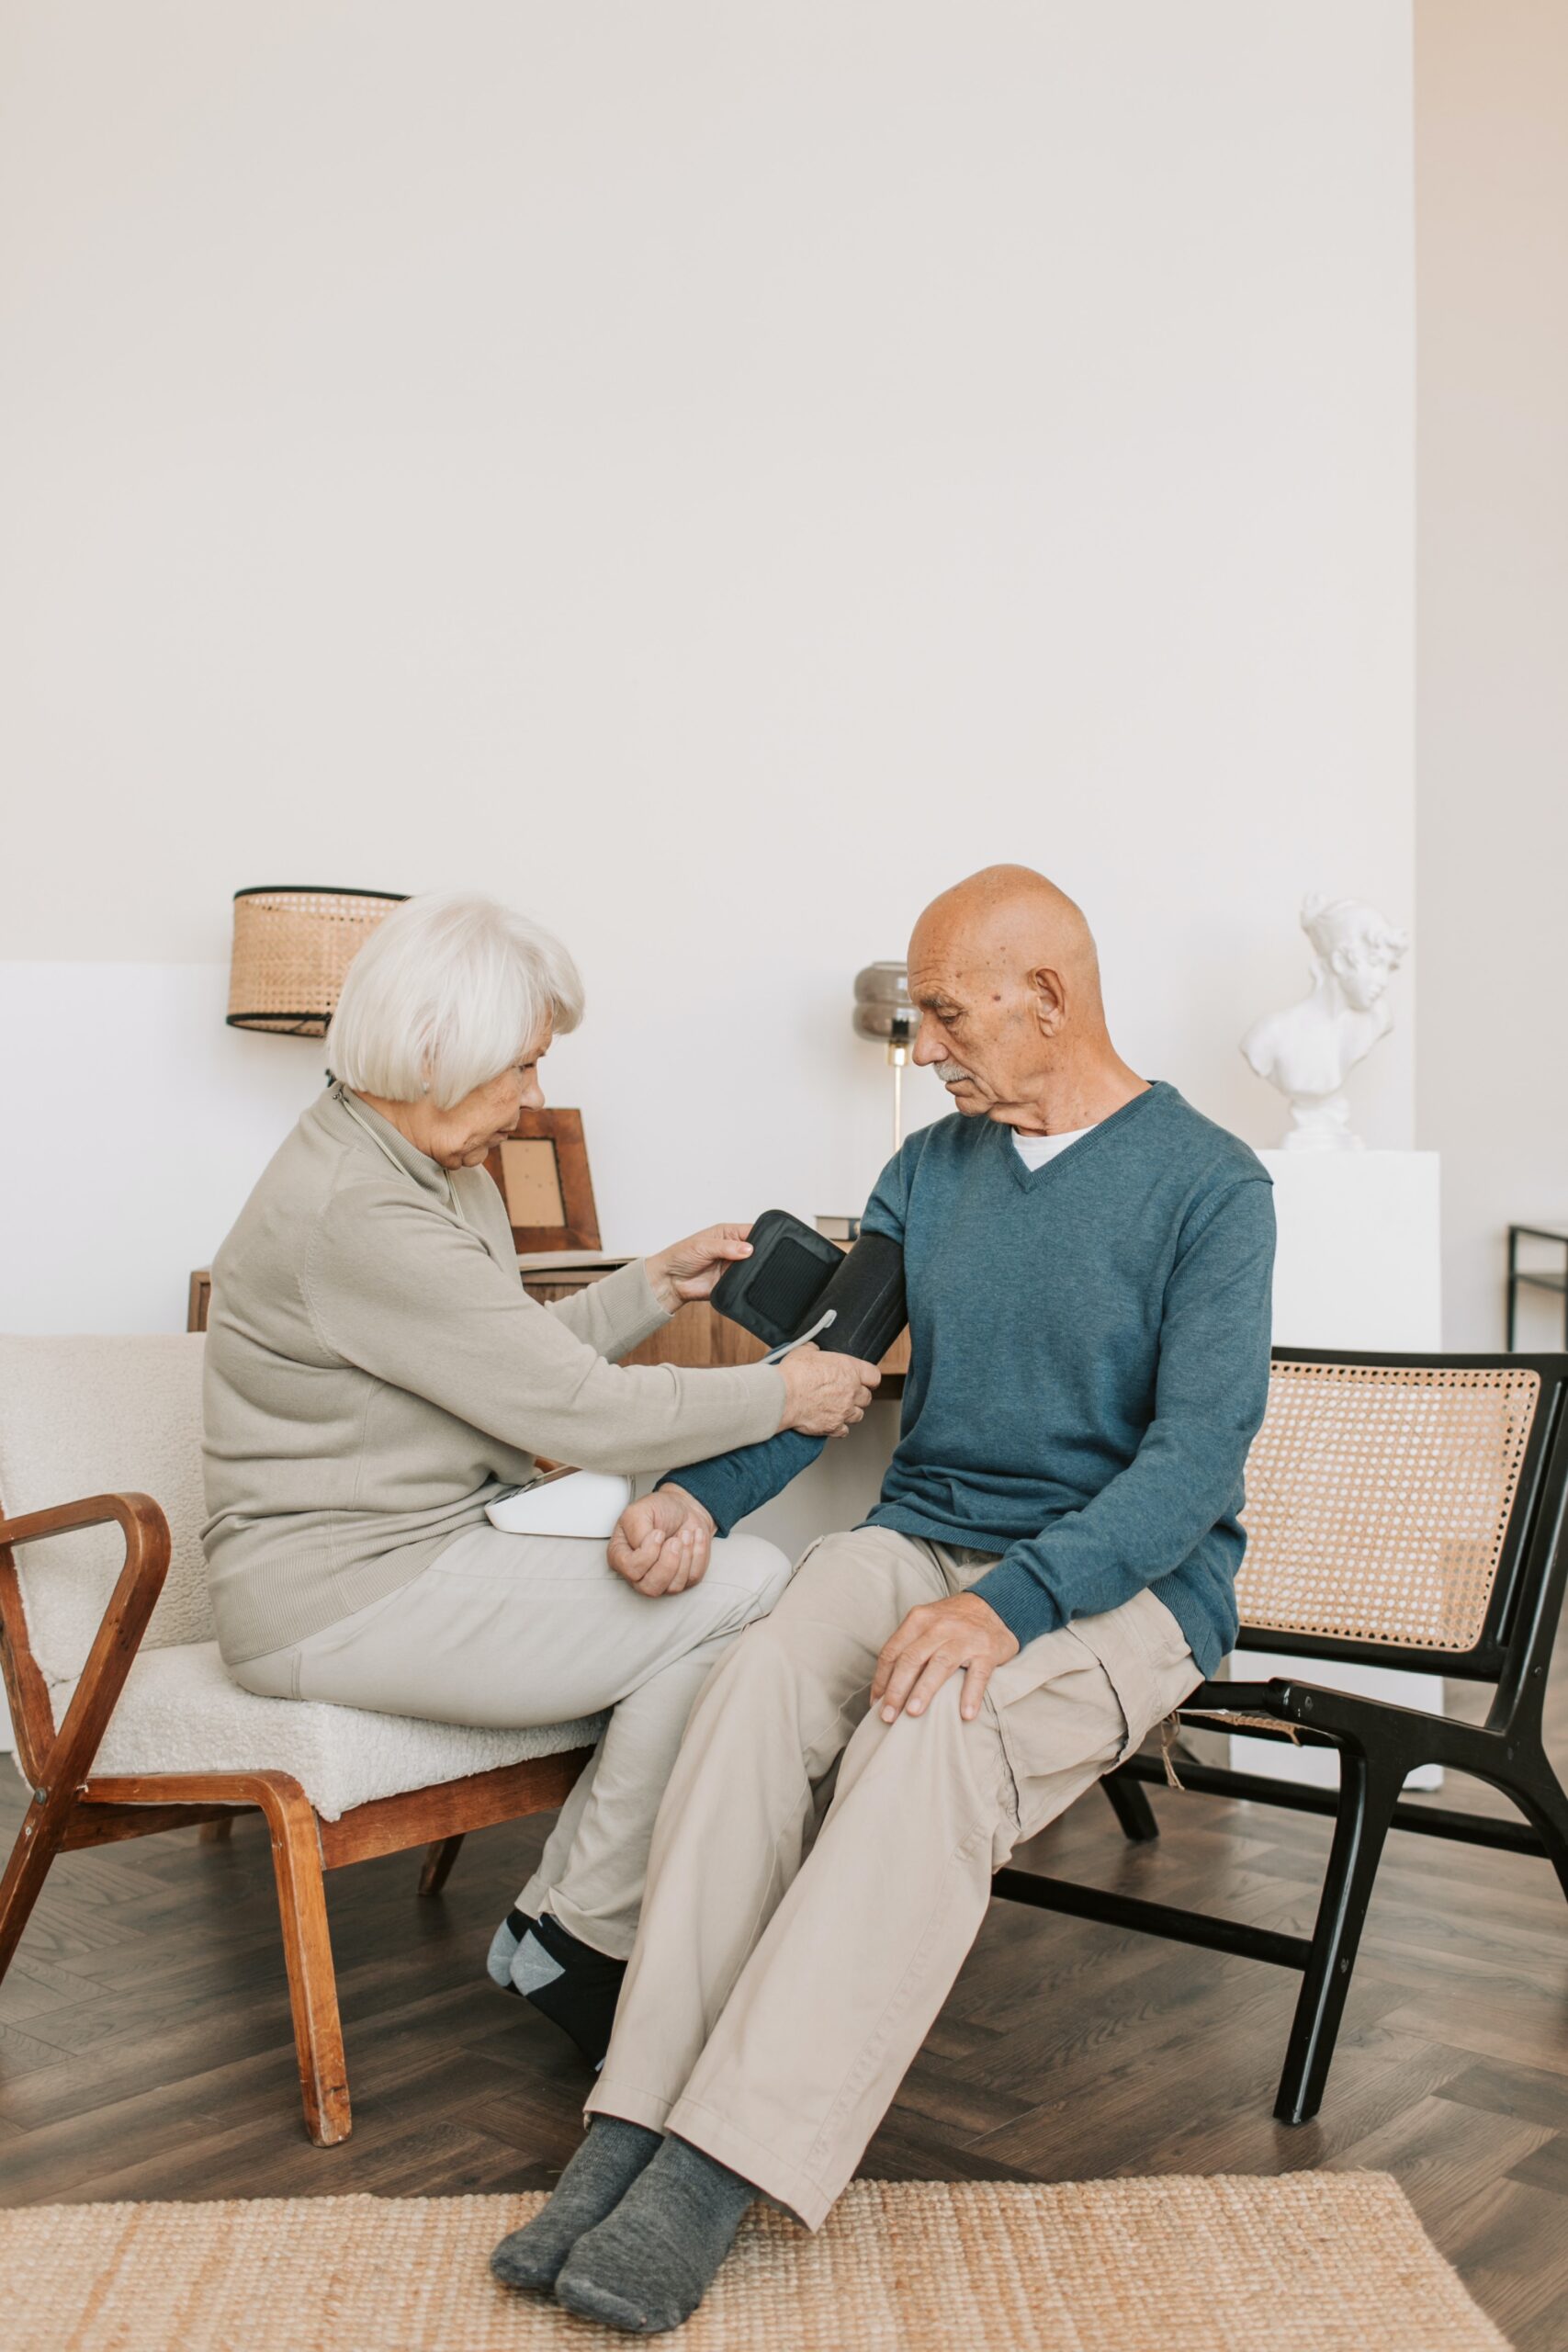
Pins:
x: 1317, y: 2262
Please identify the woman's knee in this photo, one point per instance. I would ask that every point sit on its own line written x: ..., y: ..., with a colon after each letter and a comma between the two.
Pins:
x: 758, y: 1568
x: 276, y: 1675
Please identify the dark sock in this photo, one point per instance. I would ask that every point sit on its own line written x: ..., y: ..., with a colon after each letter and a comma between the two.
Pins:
x: 580, y: 1996
x: 648, y: 2265
x: 589, y: 2191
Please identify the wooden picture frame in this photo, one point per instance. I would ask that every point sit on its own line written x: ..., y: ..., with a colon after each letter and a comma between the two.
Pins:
x: 541, y: 1173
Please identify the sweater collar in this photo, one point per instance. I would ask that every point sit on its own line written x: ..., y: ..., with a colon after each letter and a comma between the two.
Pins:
x: 1030, y: 1178
x: 357, y: 1122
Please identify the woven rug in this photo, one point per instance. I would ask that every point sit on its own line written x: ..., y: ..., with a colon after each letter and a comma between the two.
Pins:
x: 1317, y: 2262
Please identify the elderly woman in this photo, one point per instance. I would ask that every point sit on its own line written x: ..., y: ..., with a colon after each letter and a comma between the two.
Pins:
x: 375, y: 1375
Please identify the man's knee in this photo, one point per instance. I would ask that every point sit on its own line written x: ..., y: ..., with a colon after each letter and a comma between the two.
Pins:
x: 940, y: 1726
x: 936, y: 1750
x: 756, y: 1570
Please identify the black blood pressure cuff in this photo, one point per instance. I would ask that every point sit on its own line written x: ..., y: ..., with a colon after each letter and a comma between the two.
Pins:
x: 794, y: 1280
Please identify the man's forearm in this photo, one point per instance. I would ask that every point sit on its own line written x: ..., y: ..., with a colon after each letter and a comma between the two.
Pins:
x: 731, y: 1485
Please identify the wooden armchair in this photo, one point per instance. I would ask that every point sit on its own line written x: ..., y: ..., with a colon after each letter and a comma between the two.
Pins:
x: 124, y: 1718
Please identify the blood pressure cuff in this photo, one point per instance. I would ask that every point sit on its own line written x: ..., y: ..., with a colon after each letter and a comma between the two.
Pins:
x: 793, y: 1278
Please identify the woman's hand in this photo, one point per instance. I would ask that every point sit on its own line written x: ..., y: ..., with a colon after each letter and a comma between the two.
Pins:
x: 688, y: 1269
x: 827, y: 1395
x: 663, y: 1543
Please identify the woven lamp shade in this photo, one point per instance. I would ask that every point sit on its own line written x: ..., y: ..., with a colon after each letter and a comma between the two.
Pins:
x: 291, y: 950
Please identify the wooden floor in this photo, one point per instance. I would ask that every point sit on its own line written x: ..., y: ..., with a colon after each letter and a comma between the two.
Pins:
x: 145, y: 2050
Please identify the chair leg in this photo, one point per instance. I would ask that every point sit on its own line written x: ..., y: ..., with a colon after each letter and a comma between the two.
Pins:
x: 1130, y: 1803
x: 215, y: 1833
x: 312, y: 1985
x: 38, y: 1842
x: 1368, y: 1791
x: 1543, y: 1801
x: 438, y: 1862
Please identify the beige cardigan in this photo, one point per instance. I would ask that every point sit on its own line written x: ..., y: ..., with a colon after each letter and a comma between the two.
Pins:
x: 375, y: 1370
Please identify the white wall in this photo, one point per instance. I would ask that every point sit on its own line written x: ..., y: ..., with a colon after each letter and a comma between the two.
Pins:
x: 1492, y: 185
x: 155, y: 1137
x: 713, y: 476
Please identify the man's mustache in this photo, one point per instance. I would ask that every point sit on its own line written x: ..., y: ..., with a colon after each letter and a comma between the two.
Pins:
x: 949, y: 1072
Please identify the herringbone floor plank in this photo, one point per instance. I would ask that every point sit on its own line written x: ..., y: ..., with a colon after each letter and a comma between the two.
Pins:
x: 145, y: 2048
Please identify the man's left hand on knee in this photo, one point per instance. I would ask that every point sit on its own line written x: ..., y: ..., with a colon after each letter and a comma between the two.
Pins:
x: 960, y: 1635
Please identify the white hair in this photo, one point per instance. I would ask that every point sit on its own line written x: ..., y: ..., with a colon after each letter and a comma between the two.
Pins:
x: 446, y: 992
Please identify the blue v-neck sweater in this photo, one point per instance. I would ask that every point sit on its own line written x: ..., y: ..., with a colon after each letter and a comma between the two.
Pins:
x: 1088, y: 1364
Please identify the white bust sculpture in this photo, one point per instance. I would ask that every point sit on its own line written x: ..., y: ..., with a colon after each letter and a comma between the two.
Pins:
x: 1308, y: 1050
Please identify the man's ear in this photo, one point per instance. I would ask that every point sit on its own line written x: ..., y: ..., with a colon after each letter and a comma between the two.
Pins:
x: 1050, y: 1000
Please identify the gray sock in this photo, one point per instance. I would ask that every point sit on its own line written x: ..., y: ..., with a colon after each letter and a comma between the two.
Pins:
x: 504, y: 1949
x: 648, y: 2265
x: 591, y: 2187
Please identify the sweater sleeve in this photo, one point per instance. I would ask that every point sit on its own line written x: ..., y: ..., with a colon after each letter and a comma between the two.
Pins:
x: 415, y: 1298
x: 737, y: 1483
x: 1211, y: 1389
x: 615, y: 1314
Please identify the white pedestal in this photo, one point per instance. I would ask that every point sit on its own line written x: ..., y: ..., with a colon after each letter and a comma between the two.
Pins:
x: 1358, y: 1266
x: 1359, y: 1263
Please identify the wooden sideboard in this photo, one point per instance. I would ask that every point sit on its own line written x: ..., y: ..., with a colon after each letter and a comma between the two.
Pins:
x: 694, y: 1336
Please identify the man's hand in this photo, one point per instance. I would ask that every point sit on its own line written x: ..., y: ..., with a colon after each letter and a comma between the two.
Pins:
x: 688, y: 1269
x: 662, y: 1544
x: 963, y: 1634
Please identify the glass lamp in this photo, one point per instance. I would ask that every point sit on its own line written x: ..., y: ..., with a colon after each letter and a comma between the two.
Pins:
x: 882, y: 1010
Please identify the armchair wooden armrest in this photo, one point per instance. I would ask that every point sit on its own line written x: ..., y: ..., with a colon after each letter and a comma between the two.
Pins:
x: 56, y: 1763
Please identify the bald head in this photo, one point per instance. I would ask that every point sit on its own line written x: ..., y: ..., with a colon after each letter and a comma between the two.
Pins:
x: 1008, y: 921
x: 1004, y: 968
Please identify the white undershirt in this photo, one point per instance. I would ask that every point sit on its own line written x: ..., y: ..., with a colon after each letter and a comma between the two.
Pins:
x: 1035, y: 1150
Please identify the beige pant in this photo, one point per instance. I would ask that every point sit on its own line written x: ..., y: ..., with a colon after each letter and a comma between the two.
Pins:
x: 516, y: 1630
x: 776, y: 1997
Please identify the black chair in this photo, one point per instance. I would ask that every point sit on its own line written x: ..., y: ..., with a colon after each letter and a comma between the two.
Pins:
x: 1402, y: 1511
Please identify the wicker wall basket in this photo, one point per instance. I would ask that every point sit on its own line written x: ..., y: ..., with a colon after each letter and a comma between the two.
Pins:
x: 291, y: 950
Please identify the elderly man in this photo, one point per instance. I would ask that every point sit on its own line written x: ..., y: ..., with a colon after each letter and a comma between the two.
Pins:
x: 1049, y: 1571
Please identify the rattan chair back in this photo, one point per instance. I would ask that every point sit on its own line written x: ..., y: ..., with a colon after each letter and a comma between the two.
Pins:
x: 1383, y: 1503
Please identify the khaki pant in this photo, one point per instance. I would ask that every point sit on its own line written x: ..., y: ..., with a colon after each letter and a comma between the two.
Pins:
x: 781, y: 1984
x: 514, y: 1630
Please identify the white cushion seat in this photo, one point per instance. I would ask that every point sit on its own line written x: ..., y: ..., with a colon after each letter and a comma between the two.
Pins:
x: 180, y: 1713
